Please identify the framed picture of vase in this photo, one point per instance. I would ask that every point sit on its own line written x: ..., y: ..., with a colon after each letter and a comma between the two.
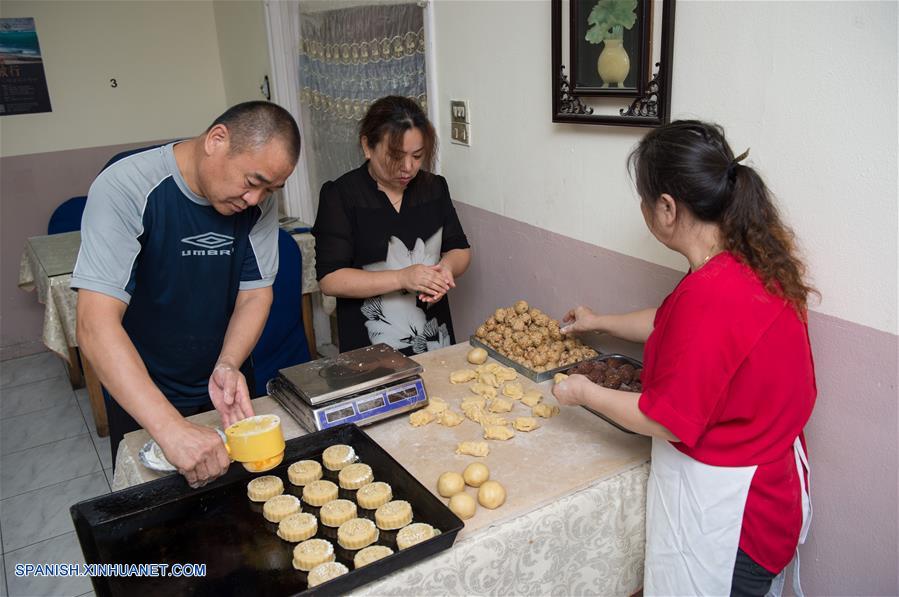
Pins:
x: 610, y: 46
x: 612, y: 61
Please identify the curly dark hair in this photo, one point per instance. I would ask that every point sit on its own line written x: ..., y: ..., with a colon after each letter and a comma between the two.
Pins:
x: 692, y: 161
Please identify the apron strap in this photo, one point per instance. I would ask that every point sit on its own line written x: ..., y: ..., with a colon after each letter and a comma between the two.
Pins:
x: 802, y: 467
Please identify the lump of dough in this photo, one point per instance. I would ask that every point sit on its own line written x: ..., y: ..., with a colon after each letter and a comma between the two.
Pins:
x: 513, y: 390
x: 492, y: 419
x: 505, y: 374
x: 476, y: 400
x: 449, y: 418
x: 559, y: 377
x: 479, y: 449
x: 483, y: 390
x: 420, y: 418
x: 545, y: 410
x: 475, y: 474
x: 477, y: 356
x: 449, y: 484
x: 462, y: 376
x: 491, y: 495
x: 473, y: 411
x: 500, y: 432
x: 488, y: 379
x: 500, y: 405
x: 532, y: 398
x: 525, y: 424
x: 436, y: 405
x: 463, y: 505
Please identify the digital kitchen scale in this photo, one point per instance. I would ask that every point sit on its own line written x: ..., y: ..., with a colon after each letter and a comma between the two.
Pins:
x: 359, y: 386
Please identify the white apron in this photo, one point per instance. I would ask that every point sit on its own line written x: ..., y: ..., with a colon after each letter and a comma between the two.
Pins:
x: 694, y: 516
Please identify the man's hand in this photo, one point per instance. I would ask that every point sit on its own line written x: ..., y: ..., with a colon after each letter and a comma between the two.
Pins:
x: 230, y: 395
x: 197, y: 452
x: 570, y: 392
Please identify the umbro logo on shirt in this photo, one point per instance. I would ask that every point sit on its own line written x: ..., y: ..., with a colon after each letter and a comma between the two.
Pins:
x: 211, y: 243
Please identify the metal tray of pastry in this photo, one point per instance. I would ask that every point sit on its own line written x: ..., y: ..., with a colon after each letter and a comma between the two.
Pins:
x: 606, y: 357
x: 535, y: 376
x: 165, y: 521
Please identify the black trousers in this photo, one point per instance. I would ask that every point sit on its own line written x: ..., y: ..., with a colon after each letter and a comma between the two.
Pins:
x: 750, y: 579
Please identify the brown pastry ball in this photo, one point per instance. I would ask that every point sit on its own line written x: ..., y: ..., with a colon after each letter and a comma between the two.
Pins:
x: 521, y: 307
x: 499, y: 315
x: 481, y: 332
x: 615, y: 363
x: 626, y: 371
x: 638, y: 375
x: 613, y: 380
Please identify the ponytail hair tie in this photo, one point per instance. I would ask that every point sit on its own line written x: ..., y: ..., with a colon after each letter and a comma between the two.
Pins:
x: 732, y: 166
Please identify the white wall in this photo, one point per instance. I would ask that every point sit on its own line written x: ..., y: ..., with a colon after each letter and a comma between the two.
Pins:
x: 164, y: 56
x: 811, y: 87
x: 243, y: 48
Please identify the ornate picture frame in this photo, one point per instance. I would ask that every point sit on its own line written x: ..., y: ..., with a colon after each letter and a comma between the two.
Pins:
x: 634, y: 95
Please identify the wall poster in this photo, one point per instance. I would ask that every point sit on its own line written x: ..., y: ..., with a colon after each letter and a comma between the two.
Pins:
x: 23, y: 85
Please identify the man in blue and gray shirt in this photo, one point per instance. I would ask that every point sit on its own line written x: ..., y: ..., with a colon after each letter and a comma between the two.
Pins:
x: 179, y: 249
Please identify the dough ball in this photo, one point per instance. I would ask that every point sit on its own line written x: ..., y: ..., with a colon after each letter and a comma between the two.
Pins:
x: 449, y: 484
x: 463, y: 505
x: 521, y: 307
x: 475, y: 474
x: 499, y: 315
x: 491, y: 495
x: 559, y: 378
x: 477, y: 356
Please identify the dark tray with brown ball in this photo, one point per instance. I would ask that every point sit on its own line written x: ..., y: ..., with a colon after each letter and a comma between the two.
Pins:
x: 614, y: 371
x: 165, y: 521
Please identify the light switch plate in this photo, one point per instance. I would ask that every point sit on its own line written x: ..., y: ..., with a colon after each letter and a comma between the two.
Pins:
x: 459, y: 111
x: 460, y: 133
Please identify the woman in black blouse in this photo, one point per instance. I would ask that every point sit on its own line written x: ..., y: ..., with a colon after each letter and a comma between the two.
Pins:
x: 388, y: 243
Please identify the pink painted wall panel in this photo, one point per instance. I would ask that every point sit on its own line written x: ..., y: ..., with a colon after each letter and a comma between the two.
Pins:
x: 852, y: 436
x: 31, y: 187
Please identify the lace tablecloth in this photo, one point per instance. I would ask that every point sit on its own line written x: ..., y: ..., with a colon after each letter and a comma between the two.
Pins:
x: 306, y: 242
x: 53, y: 292
x: 588, y: 543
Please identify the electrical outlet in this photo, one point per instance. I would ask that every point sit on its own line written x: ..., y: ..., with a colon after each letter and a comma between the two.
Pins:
x: 460, y: 133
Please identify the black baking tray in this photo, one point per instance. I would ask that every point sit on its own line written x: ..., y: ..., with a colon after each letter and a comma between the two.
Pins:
x: 165, y: 521
x: 606, y: 357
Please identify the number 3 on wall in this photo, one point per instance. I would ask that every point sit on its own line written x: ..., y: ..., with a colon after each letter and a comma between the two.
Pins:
x: 113, y: 83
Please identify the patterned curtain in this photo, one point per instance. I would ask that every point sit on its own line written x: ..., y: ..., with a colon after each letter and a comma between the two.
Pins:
x: 349, y: 58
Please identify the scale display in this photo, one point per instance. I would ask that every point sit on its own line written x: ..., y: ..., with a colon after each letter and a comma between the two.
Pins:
x: 371, y: 407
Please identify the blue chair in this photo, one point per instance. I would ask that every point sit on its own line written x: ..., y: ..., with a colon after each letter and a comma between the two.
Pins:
x: 67, y: 217
x: 283, y: 341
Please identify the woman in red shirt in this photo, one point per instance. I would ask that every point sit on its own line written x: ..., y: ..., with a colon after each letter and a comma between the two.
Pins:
x: 728, y: 380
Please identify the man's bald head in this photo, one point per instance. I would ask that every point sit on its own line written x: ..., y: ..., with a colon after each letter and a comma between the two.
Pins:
x: 252, y: 125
